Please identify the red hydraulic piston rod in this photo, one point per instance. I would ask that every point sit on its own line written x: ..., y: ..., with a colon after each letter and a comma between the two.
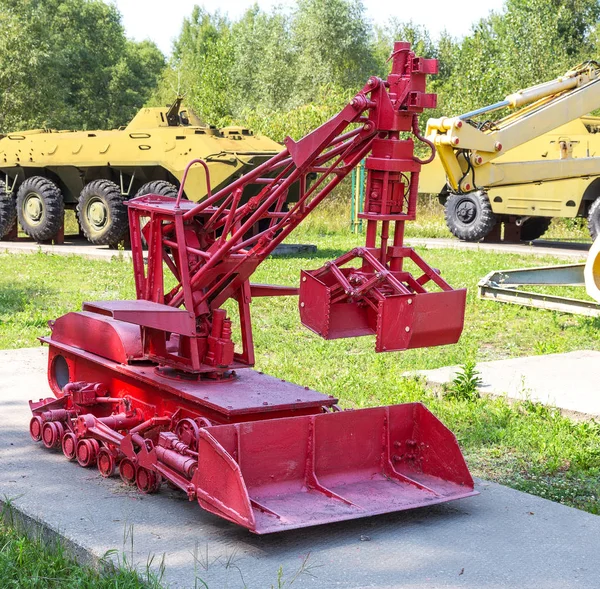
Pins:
x: 182, y: 464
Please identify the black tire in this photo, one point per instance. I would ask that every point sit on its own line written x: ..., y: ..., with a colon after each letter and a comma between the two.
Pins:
x: 594, y: 219
x: 469, y: 216
x: 40, y: 208
x: 161, y: 187
x: 535, y: 227
x: 8, y: 211
x: 101, y: 213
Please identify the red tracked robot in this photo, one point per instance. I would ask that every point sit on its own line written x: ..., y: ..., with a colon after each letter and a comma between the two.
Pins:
x: 157, y: 389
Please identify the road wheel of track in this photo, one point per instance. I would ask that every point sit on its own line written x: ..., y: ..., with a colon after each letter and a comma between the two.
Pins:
x: 87, y: 452
x: 535, y: 227
x: 469, y: 216
x: 69, y: 446
x: 52, y: 433
x: 161, y: 187
x: 127, y: 471
x: 35, y: 428
x: 594, y: 219
x: 8, y: 211
x: 147, y: 480
x: 101, y: 213
x: 40, y: 208
x: 106, y: 462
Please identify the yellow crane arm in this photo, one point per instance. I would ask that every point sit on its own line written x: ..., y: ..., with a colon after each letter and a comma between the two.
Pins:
x: 467, y: 150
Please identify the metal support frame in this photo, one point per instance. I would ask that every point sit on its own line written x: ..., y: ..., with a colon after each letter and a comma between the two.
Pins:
x: 502, y: 286
x: 357, y: 198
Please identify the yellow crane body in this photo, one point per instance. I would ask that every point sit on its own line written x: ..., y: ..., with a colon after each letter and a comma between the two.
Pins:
x: 538, y: 162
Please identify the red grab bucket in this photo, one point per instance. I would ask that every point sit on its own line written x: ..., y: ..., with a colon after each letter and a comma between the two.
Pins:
x: 399, y: 321
x: 339, y: 301
x: 302, y: 471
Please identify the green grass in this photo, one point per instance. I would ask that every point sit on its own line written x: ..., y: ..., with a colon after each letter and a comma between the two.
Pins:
x: 32, y: 563
x: 524, y: 445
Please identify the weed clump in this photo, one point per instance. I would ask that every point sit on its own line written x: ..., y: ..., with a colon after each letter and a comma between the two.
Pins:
x: 465, y: 385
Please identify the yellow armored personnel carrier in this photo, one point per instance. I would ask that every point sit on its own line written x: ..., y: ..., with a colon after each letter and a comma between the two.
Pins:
x: 44, y: 172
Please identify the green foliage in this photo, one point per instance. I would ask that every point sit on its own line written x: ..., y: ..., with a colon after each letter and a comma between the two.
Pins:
x: 67, y: 64
x: 263, y: 67
x: 464, y: 385
x: 277, y: 72
x: 297, y: 121
x: 285, y: 71
x: 201, y: 66
x: 133, y: 77
x: 333, y: 41
x: 530, y: 41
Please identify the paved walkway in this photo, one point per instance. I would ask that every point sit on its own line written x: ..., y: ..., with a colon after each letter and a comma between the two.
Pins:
x: 540, y: 247
x: 80, y: 247
x: 568, y: 381
x: 498, y: 540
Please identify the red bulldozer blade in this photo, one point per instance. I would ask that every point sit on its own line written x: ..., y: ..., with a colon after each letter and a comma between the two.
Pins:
x: 295, y: 472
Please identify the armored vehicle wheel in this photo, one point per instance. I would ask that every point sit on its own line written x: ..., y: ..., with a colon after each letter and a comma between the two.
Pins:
x: 594, y: 219
x: 40, y: 208
x: 535, y: 227
x: 161, y: 187
x: 101, y: 213
x: 469, y: 216
x: 8, y: 211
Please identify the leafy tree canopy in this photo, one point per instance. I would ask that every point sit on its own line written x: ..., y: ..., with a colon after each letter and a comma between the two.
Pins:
x: 68, y: 64
x: 283, y: 71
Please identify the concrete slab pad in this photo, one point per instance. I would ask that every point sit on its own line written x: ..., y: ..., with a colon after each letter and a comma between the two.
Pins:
x: 568, y: 381
x: 502, y: 538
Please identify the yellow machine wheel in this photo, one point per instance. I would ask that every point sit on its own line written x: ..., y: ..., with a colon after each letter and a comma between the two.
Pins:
x: 469, y: 216
x: 535, y: 227
x: 101, y: 213
x: 591, y: 271
x: 593, y: 220
x: 40, y: 208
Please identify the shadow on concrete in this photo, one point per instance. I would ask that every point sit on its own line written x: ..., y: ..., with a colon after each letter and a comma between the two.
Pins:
x: 562, y: 244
